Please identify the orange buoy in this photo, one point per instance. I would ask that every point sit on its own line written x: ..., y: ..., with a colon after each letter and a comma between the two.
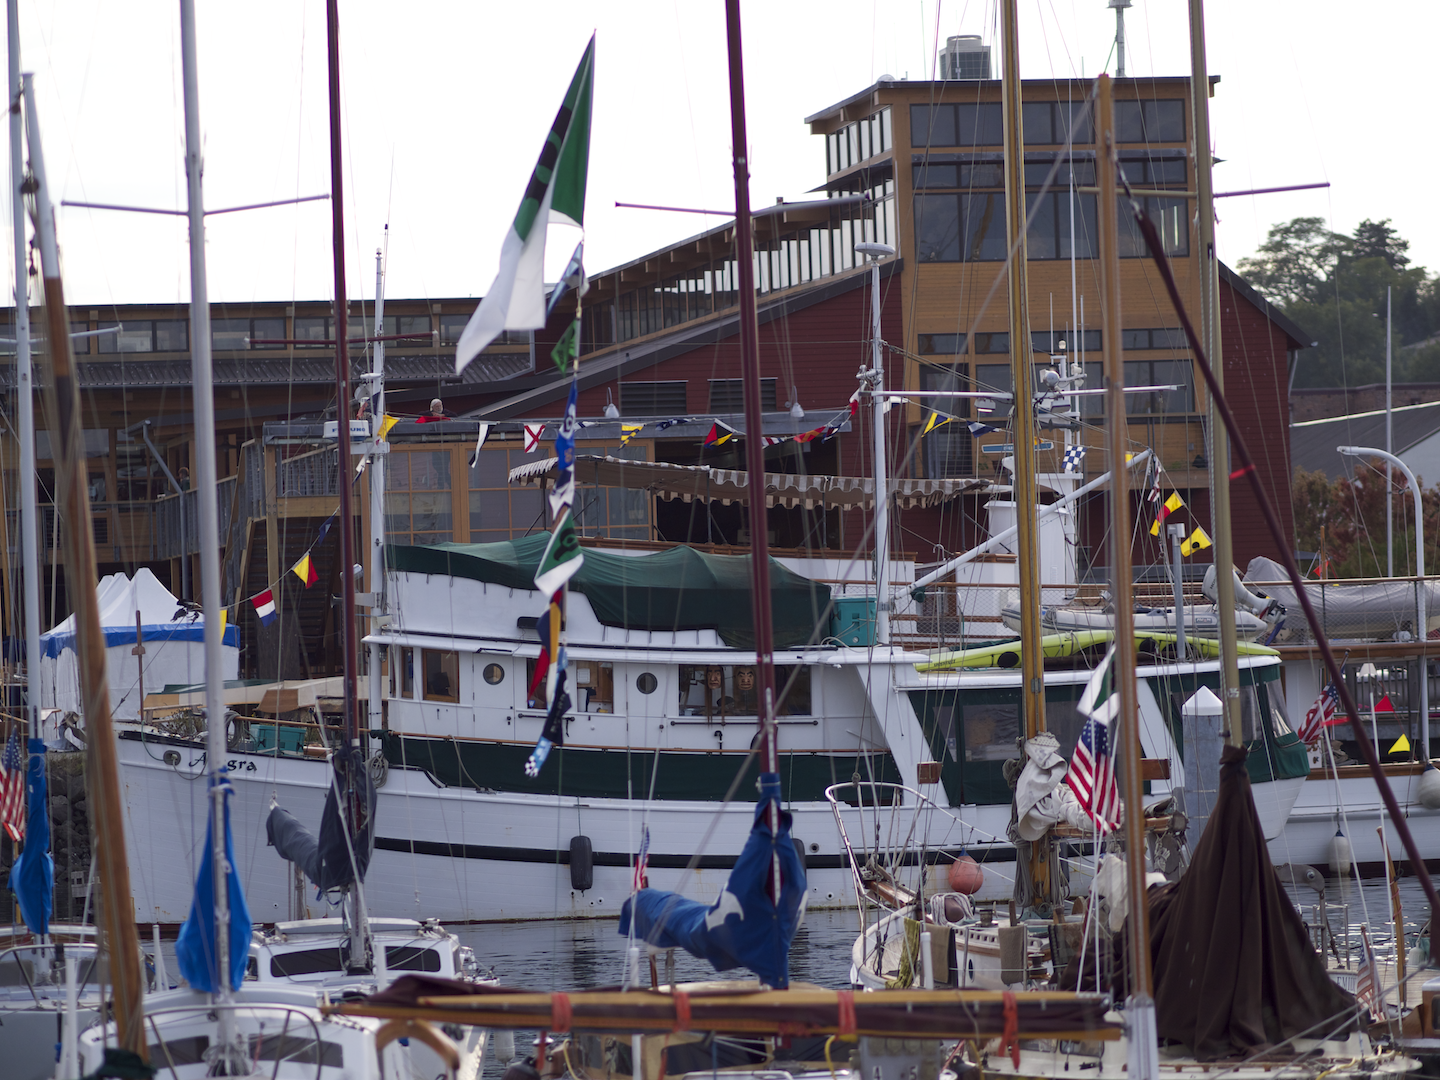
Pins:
x: 966, y: 875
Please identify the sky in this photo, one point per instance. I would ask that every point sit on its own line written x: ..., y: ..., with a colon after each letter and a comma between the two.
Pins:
x: 444, y: 110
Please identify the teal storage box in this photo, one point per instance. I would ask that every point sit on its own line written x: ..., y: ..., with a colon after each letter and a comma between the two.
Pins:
x: 853, y: 621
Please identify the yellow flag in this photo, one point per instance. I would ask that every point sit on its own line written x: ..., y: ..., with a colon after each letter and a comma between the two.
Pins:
x: 386, y: 423
x: 1198, y: 542
x: 305, y: 570
x: 628, y: 432
x: 1173, y: 503
x: 1402, y: 745
x: 224, y: 615
x: 935, y: 422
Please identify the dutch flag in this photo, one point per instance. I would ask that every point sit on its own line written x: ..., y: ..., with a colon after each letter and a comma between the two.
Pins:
x: 264, y: 606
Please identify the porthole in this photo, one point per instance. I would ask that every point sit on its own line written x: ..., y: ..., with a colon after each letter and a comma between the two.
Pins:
x: 494, y: 674
x: 646, y: 683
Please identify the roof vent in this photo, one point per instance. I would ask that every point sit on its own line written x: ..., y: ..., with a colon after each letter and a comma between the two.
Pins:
x: 964, y: 57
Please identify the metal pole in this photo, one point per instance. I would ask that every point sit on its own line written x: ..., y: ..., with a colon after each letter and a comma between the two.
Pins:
x: 1389, y: 449
x: 25, y: 392
x: 375, y: 586
x: 1421, y: 608
x: 342, y: 378
x: 104, y: 773
x: 1144, y: 1052
x: 754, y: 444
x: 1218, y: 444
x: 207, y: 503
x: 1177, y: 536
x: 882, y: 463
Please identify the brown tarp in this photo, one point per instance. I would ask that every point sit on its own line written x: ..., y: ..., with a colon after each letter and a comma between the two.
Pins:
x: 1235, y: 971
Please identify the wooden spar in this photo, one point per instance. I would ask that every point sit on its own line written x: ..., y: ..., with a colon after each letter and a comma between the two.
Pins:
x: 1246, y: 468
x: 342, y: 382
x: 1121, y: 574
x: 1022, y: 367
x: 1217, y: 450
x: 104, y: 774
x: 938, y: 1014
x: 754, y: 443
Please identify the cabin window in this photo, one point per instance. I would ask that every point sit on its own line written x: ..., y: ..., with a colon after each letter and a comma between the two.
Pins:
x: 1279, y: 714
x: 593, y: 686
x: 537, y: 698
x: 407, y: 673
x: 730, y: 692
x: 646, y: 682
x: 1250, y: 718
x: 494, y: 674
x: 411, y: 958
x: 442, y: 674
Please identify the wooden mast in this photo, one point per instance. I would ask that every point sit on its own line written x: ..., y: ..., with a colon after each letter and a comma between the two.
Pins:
x: 79, y: 541
x: 1141, y: 1004
x: 754, y: 443
x: 1022, y: 367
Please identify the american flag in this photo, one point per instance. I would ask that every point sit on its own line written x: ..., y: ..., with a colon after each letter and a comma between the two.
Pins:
x: 1320, y: 714
x: 642, y: 861
x: 12, y: 788
x: 1092, y: 776
x: 1367, y: 978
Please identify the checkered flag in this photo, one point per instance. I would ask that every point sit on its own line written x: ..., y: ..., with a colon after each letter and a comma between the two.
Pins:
x: 1074, y: 459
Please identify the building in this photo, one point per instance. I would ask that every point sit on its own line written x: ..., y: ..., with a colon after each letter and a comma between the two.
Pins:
x: 916, y: 165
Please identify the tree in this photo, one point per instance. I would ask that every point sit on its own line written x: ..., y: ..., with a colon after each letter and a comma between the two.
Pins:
x: 1334, y: 287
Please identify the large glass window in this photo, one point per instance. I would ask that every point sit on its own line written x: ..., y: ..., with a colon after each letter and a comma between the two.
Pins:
x: 949, y: 449
x: 412, y: 324
x: 442, y: 674
x: 1050, y: 122
x: 133, y: 336
x: 721, y: 692
x: 229, y: 334
x: 1172, y: 222
x: 977, y: 124
x: 1050, y: 230
x: 172, y: 335
x: 941, y: 344
x: 614, y: 512
x: 1177, y: 373
x: 451, y: 327
x: 417, y: 497
x: 1150, y: 121
x: 500, y: 510
x: 315, y: 331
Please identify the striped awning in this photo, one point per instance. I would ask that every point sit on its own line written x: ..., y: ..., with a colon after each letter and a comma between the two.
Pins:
x: 726, y: 486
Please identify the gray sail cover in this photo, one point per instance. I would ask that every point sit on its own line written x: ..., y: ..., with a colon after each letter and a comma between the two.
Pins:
x: 331, y: 861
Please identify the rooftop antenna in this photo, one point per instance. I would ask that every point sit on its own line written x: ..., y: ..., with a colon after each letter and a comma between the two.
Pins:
x: 1120, y: 6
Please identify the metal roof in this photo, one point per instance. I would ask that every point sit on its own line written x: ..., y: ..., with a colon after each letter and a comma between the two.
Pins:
x: 1313, y: 442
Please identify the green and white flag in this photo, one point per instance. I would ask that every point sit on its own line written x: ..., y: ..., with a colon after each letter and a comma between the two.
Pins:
x: 562, y: 557
x: 556, y: 192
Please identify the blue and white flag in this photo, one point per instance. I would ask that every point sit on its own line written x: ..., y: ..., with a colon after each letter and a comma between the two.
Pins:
x: 977, y: 428
x: 563, y: 493
x: 1074, y: 459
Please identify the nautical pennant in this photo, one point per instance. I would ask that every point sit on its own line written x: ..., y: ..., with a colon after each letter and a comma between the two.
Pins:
x: 628, y: 432
x: 563, y: 493
x: 1153, y: 477
x: 662, y: 425
x: 479, y: 443
x: 1384, y: 705
x: 562, y: 557
x: 935, y: 422
x: 642, y: 860
x: 325, y: 529
x: 565, y: 349
x: 264, y: 604
x: 556, y: 192
x: 1074, y: 459
x: 572, y: 278
x: 1173, y: 503
x: 386, y: 423
x: 720, y: 433
x: 1197, y: 541
x: 305, y: 570
x: 977, y: 428
x: 533, y: 434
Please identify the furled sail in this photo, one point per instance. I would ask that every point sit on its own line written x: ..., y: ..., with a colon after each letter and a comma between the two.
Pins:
x: 331, y: 861
x: 32, y: 878
x: 195, y: 948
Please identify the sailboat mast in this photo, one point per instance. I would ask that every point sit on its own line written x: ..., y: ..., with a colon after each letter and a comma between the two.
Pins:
x: 1022, y: 367
x: 1144, y: 1061
x: 206, y: 478
x: 1218, y: 445
x: 376, y: 584
x: 754, y: 443
x: 79, y: 539
x: 25, y: 393
x: 342, y: 380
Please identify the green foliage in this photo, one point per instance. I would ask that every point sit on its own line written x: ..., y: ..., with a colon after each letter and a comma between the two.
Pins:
x: 1334, y: 285
x: 1343, y: 521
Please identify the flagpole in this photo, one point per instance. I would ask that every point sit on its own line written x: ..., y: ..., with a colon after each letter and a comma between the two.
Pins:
x: 754, y: 442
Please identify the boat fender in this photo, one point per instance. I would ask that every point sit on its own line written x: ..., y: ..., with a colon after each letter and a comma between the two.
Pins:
x: 965, y: 876
x: 1428, y: 790
x: 503, y: 1043
x: 582, y: 864
x: 1342, y: 856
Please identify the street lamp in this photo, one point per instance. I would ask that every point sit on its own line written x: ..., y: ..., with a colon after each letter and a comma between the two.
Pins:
x: 1420, y: 630
x: 876, y: 376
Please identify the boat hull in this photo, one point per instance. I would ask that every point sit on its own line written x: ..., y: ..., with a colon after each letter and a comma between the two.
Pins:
x: 1309, y: 833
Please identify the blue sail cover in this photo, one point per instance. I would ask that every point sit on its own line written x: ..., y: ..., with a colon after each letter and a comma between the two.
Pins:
x: 745, y: 927
x: 195, y: 947
x: 32, y: 878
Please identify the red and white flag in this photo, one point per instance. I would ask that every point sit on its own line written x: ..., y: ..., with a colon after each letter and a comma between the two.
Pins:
x: 12, y: 788
x: 264, y: 604
x: 1321, y: 714
x: 533, y: 435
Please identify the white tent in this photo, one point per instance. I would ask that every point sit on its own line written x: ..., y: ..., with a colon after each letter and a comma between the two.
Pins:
x: 174, y: 641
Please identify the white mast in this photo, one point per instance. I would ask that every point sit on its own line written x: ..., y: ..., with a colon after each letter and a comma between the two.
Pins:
x: 25, y: 393
x: 1120, y: 6
x: 1389, y: 473
x: 377, y: 488
x: 876, y: 375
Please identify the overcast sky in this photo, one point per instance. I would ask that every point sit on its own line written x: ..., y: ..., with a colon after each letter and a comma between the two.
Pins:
x: 446, y: 104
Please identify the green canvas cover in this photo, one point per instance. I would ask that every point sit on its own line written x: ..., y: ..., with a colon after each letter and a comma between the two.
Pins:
x: 677, y: 589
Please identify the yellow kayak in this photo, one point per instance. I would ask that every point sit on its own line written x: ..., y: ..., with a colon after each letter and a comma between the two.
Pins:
x: 1058, y: 646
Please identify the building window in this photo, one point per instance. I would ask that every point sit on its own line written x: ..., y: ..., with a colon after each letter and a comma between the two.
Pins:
x: 990, y: 344
x: 1150, y: 121
x: 941, y: 344
x: 1050, y: 230
x: 1052, y: 122
x: 612, y: 512
x: 135, y: 336
x: 652, y: 398
x: 1172, y: 221
x: 723, y: 691
x: 728, y: 395
x: 498, y: 509
x: 407, y: 673
x: 1064, y: 341
x: 417, y: 497
x: 442, y: 674
x: 1177, y: 373
x: 172, y: 335
x: 978, y: 124
x: 1151, y: 170
x: 1153, y: 339
x: 949, y: 450
x: 858, y: 142
x: 412, y: 324
x: 960, y: 228
x: 314, y: 331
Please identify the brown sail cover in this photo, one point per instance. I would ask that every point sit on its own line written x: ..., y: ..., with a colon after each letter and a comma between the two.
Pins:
x: 1234, y: 968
